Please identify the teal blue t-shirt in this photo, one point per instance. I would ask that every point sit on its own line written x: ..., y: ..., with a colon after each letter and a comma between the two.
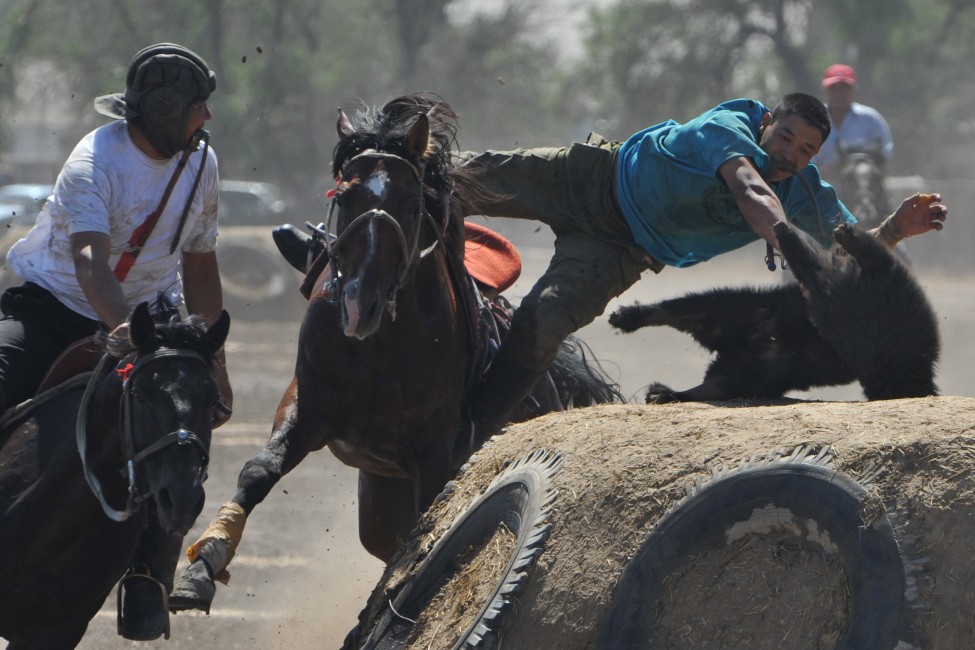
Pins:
x: 679, y: 208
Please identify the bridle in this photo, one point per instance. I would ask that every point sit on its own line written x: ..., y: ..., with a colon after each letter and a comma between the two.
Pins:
x: 408, y: 246
x: 181, y: 437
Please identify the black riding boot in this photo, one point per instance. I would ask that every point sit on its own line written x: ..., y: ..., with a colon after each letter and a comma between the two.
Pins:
x: 294, y: 246
x: 143, y: 608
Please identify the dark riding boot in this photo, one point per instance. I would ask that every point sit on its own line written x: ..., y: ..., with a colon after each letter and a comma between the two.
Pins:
x: 294, y: 245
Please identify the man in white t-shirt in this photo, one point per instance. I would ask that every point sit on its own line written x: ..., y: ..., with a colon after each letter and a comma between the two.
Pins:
x: 85, y: 266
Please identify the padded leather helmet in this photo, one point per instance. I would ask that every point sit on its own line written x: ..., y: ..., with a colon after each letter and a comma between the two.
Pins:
x: 162, y: 82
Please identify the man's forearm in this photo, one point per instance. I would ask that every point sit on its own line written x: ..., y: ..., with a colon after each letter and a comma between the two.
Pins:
x: 101, y: 289
x: 201, y: 286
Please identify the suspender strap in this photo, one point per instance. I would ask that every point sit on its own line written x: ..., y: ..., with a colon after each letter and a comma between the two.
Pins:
x: 141, y: 234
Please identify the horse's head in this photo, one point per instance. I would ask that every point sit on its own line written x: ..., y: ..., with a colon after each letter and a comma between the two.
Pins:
x: 861, y: 185
x: 377, y: 214
x: 168, y: 395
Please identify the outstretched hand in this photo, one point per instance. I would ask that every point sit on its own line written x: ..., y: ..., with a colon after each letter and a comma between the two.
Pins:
x: 918, y: 214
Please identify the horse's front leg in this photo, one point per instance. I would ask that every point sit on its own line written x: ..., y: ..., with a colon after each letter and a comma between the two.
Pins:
x: 387, y: 513
x: 389, y: 508
x: 291, y: 440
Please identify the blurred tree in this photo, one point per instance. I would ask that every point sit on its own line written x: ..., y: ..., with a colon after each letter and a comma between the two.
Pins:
x: 283, y: 67
x: 658, y: 59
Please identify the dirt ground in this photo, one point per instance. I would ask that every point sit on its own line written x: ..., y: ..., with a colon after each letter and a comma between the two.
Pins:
x: 300, y: 577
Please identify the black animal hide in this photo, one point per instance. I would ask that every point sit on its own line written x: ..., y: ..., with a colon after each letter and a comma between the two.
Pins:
x: 857, y: 314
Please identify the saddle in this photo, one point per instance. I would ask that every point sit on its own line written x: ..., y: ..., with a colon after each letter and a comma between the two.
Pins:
x: 80, y: 357
x: 67, y: 372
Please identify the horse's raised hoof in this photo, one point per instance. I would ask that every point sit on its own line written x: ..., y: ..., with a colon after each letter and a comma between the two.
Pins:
x: 142, y: 614
x: 194, y: 589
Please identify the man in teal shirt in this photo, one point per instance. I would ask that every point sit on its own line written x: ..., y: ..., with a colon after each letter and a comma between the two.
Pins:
x: 675, y: 203
x: 671, y: 195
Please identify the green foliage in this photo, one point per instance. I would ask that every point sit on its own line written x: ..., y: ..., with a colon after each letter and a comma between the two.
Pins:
x: 659, y: 59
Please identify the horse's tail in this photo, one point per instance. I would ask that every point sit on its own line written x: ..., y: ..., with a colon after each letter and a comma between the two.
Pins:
x: 580, y: 378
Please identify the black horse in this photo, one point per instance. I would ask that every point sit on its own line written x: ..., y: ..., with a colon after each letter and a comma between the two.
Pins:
x: 73, y: 507
x: 390, y: 345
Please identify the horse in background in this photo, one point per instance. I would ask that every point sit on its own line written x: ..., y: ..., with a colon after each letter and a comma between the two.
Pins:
x: 862, y: 190
x: 73, y: 508
x: 390, y: 345
x: 861, y: 186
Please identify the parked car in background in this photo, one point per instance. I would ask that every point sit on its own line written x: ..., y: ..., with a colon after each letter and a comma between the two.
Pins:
x: 251, y: 203
x: 20, y: 202
x: 258, y: 284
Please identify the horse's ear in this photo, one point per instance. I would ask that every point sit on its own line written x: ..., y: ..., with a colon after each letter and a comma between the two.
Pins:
x: 418, y: 139
x: 217, y: 333
x: 142, y: 329
x: 344, y: 126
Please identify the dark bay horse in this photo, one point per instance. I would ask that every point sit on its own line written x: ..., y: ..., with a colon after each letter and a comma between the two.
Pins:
x: 69, y: 527
x: 386, y: 349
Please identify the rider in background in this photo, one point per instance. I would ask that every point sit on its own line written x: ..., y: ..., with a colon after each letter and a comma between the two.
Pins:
x: 857, y: 129
x: 85, y: 267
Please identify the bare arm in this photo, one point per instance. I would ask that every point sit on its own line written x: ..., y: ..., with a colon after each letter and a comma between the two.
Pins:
x: 201, y: 285
x: 204, y: 296
x: 756, y: 200
x: 90, y: 251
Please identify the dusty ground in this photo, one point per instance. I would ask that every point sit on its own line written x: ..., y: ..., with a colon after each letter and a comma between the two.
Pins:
x: 301, y: 578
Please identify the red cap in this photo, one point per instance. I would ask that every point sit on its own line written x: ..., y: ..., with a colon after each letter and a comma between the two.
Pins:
x: 839, y: 74
x: 490, y: 258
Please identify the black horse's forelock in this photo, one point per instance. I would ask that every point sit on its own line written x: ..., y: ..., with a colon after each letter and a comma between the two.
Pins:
x: 189, y: 334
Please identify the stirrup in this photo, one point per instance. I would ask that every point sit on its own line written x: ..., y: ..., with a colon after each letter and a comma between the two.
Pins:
x: 125, y: 626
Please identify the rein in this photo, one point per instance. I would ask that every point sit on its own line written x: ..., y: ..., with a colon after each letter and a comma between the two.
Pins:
x: 179, y: 437
x: 408, y: 248
x: 770, y: 252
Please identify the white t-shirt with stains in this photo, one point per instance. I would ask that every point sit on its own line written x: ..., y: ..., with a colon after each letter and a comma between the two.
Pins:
x: 109, y: 186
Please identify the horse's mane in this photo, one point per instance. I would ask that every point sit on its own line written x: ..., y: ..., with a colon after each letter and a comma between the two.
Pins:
x: 385, y: 129
x: 189, y: 334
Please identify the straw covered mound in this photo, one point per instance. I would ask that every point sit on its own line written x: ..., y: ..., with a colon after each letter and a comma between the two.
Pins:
x: 624, y: 466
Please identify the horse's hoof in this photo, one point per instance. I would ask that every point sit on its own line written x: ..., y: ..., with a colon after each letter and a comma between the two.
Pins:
x: 194, y: 589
